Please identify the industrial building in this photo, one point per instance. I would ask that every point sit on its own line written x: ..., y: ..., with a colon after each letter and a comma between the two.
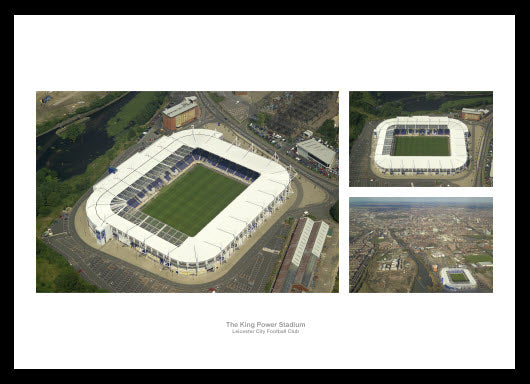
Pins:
x: 388, y: 130
x: 180, y: 114
x: 474, y: 114
x: 113, y: 209
x: 314, y: 151
x: 299, y: 264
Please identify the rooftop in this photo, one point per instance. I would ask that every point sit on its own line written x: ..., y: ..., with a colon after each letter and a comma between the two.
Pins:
x: 318, y: 150
x: 187, y: 104
x: 219, y: 232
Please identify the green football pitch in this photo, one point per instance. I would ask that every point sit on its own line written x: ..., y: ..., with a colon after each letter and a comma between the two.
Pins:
x: 458, y: 277
x: 421, y: 146
x: 193, y: 199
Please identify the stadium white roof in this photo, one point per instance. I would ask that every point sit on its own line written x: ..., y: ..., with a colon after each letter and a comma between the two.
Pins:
x: 316, y: 246
x: 445, y: 272
x: 458, y: 151
x: 218, y: 233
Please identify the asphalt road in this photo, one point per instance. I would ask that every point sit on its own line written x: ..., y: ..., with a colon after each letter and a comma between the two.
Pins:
x: 250, y: 274
x: 207, y: 104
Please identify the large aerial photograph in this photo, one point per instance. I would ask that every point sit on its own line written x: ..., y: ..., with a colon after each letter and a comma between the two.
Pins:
x: 421, y: 139
x: 174, y: 191
x: 421, y: 244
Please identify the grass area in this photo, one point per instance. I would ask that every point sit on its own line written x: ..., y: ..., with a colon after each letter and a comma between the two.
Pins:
x: 458, y: 277
x: 479, y: 258
x: 365, y: 106
x: 479, y: 237
x: 421, y: 146
x: 334, y: 211
x: 476, y: 102
x: 71, y: 131
x: 52, y: 196
x: 194, y: 199
x: 328, y: 132
x: 55, y: 274
x: 136, y: 112
x: 361, y: 109
x: 215, y: 97
x: 336, y: 285
x: 50, y: 123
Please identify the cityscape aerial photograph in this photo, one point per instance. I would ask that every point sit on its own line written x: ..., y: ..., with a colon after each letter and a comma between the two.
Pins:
x: 176, y: 191
x: 420, y: 244
x: 421, y: 139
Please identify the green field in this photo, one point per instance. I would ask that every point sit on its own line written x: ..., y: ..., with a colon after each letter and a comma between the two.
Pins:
x: 458, y: 277
x: 193, y: 200
x: 478, y: 258
x: 421, y: 146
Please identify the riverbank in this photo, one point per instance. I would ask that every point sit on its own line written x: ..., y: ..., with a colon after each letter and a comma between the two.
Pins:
x: 53, y: 194
x: 82, y: 112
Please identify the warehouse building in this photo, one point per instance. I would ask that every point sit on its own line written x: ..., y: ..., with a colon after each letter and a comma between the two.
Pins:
x: 474, y: 114
x: 298, y: 267
x: 180, y: 114
x: 315, y: 151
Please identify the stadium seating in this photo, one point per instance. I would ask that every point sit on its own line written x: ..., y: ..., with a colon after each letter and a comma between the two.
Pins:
x: 134, y: 202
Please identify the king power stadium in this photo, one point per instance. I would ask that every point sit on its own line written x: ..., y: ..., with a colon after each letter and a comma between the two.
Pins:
x: 388, y: 131
x: 113, y: 208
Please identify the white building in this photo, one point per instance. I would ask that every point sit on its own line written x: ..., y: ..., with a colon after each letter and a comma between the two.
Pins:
x: 111, y: 208
x: 386, y: 131
x: 315, y: 151
x: 451, y: 285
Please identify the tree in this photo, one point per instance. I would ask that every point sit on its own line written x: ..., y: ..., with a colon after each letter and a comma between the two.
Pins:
x: 131, y: 133
x: 53, y: 199
x: 334, y: 211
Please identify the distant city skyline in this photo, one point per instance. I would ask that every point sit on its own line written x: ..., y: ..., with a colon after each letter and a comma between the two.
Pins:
x: 423, y: 200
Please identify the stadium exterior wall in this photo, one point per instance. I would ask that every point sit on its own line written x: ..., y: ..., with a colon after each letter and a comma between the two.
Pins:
x: 456, y: 162
x: 217, y: 241
x: 456, y: 287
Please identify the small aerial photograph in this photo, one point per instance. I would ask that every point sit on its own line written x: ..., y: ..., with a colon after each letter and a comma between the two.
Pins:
x: 421, y: 139
x: 421, y: 244
x: 174, y: 191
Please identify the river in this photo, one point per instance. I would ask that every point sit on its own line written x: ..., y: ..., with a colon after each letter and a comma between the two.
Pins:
x: 423, y: 280
x: 69, y: 158
x: 416, y: 101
